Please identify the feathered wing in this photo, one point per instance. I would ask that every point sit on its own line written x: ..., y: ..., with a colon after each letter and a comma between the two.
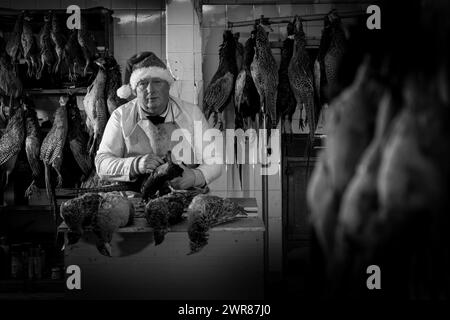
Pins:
x: 239, y: 89
x: 218, y: 93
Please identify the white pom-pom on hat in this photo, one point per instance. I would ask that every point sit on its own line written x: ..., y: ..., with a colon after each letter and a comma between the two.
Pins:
x: 124, y: 91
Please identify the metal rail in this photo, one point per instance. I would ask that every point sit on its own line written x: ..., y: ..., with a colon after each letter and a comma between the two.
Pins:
x: 286, y: 19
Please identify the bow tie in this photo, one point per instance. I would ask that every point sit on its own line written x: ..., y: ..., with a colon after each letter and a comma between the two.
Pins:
x: 156, y: 119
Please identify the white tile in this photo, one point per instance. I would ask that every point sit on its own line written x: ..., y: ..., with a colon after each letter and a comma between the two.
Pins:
x: 239, y: 13
x: 182, y: 65
x: 187, y: 91
x: 213, y: 15
x: 149, y: 22
x: 124, y: 47
x: 199, y: 91
x: 210, y: 64
x: 197, y: 37
x: 163, y: 48
x: 180, y: 38
x: 150, y: 4
x: 268, y: 11
x: 180, y: 12
x: 124, y: 22
x: 198, y: 66
x: 149, y: 43
x: 123, y: 4
x: 211, y: 40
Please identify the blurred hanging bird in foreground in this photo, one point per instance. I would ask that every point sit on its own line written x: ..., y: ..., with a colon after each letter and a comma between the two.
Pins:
x: 265, y: 75
x: 219, y: 91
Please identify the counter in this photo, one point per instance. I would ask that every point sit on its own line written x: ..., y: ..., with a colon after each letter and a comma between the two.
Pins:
x: 231, y: 266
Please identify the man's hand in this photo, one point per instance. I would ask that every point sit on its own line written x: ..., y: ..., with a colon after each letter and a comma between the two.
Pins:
x: 190, y: 178
x: 148, y: 163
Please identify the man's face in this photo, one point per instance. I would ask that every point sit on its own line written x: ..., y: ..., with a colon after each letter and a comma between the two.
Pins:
x: 153, y: 95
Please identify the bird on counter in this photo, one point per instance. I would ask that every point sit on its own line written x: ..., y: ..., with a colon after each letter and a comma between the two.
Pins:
x: 114, y: 211
x: 286, y: 103
x: 164, y: 211
x: 205, y: 212
x: 264, y: 72
x: 95, y: 107
x: 301, y: 80
x: 52, y: 150
x: 219, y: 91
x: 48, y: 53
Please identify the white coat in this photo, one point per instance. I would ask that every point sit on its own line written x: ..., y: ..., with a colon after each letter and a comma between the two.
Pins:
x: 128, y: 135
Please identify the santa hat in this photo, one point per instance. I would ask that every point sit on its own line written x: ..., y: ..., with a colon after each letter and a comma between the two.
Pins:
x: 141, y: 66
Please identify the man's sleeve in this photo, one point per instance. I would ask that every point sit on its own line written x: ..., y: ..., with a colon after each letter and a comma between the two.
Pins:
x: 109, y: 161
x: 210, y: 170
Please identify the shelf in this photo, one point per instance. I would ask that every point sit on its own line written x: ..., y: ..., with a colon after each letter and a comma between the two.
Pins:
x: 76, y: 91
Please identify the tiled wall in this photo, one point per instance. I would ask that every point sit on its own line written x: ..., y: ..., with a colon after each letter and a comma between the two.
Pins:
x: 139, y: 25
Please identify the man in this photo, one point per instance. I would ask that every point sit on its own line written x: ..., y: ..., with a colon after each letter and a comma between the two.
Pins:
x: 138, y: 134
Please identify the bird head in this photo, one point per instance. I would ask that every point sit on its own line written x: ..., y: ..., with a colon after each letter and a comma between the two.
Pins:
x: 290, y: 28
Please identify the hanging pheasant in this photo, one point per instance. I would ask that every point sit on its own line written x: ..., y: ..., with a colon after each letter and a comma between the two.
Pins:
x: 301, y: 79
x: 219, y: 91
x: 265, y: 74
x: 286, y: 103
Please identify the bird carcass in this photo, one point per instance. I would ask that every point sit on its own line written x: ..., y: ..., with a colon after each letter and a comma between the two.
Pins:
x: 48, y: 54
x: 73, y: 55
x: 32, y: 144
x: 10, y: 145
x: 87, y: 42
x: 162, y: 212
x: 59, y: 40
x: 95, y: 107
x: 14, y: 45
x: 10, y: 84
x: 245, y: 95
x: 207, y: 211
x: 218, y: 93
x: 301, y: 78
x: 286, y: 103
x: 30, y: 49
x: 350, y: 129
x: 113, y: 82
x: 52, y: 150
x: 334, y: 54
x: 78, y: 138
x: 320, y: 78
x: 264, y: 72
